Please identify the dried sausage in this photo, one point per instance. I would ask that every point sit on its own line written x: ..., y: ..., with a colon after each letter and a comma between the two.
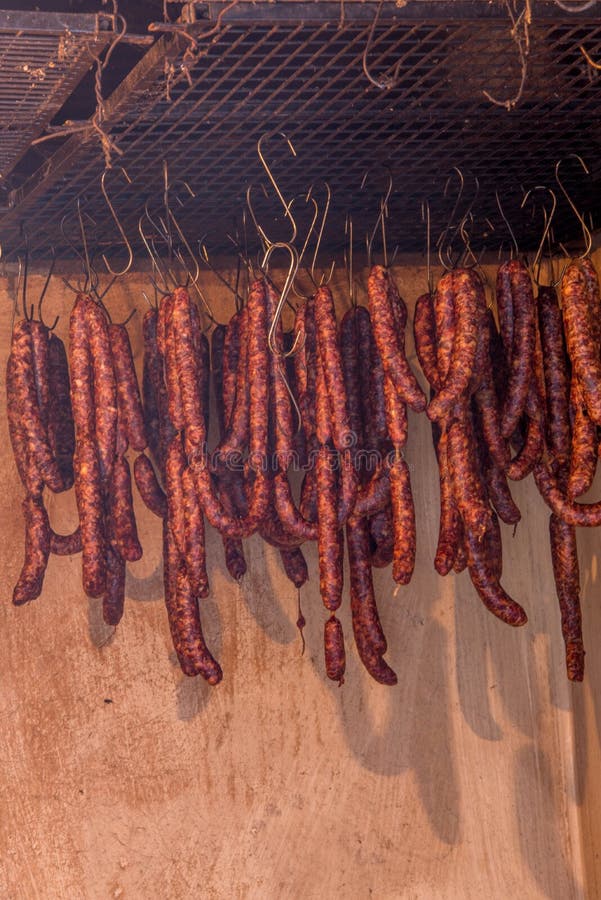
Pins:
x: 295, y: 566
x: 331, y: 367
x: 37, y: 550
x: 557, y: 381
x: 367, y: 629
x: 184, y: 619
x: 194, y: 537
x: 24, y: 394
x: 148, y: 485
x: 334, y: 650
x: 403, y: 518
x: 469, y: 304
x: 581, y: 333
x: 61, y: 429
x: 382, y: 295
x: 65, y: 544
x: 329, y: 537
x: 124, y: 533
x: 90, y: 506
x: 105, y: 388
x: 564, y: 555
x: 113, y: 600
x: 583, y: 458
x: 487, y: 584
x: 128, y: 391
x: 424, y: 335
x: 520, y: 352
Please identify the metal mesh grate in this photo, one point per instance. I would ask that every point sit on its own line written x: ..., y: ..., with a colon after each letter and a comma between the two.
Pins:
x: 42, y: 59
x: 307, y: 80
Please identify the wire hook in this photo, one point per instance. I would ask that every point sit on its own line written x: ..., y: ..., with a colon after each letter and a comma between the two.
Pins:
x: 119, y: 226
x: 290, y: 276
x: 588, y: 238
x: 508, y: 226
x: 380, y: 221
x: 548, y: 218
x: 385, y: 82
x: 274, y: 183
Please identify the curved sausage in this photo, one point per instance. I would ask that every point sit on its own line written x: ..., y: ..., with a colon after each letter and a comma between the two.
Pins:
x: 128, y: 391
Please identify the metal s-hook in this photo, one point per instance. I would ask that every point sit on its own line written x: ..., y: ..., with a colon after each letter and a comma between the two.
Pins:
x: 43, y: 294
x: 119, y: 226
x: 290, y: 276
x: 548, y: 218
x: 507, y: 225
x: 274, y: 183
x: 27, y: 314
x: 426, y: 221
x: 443, y: 236
x: 325, y: 279
x: 588, y: 238
x: 385, y: 82
x: 381, y: 220
x: 348, y: 260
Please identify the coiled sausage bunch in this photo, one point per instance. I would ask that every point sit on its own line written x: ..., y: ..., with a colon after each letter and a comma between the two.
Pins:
x: 312, y: 431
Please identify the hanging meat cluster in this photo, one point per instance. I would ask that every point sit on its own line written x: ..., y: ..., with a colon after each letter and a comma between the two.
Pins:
x: 312, y: 428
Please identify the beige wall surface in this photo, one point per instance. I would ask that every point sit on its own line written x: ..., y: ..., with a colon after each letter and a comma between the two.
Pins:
x: 476, y: 776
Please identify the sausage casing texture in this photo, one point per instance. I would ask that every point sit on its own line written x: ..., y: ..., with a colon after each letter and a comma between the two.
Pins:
x: 90, y: 506
x: 37, y: 549
x: 180, y: 330
x: 23, y: 453
x: 305, y: 365
x: 449, y: 531
x: 586, y: 515
x: 331, y: 367
x: 564, y: 555
x: 581, y: 333
x: 217, y: 359
x: 152, y: 382
x: 374, y: 404
x: 583, y: 456
x: 258, y: 363
x: 236, y: 389
x: 520, y: 352
x: 381, y: 532
x: 120, y: 507
x: 468, y: 487
x: 65, y: 544
x: 367, y: 629
x: 424, y: 335
x: 25, y: 396
x: 174, y: 491
x: 500, y: 495
x: 167, y: 344
x: 487, y: 584
x: 382, y: 295
x: 128, y: 391
x: 113, y: 600
x: 148, y: 486
x: 556, y: 375
x: 105, y: 387
x: 295, y: 566
x: 194, y: 537
x: 230, y: 360
x: 39, y: 343
x: 469, y: 303
x: 335, y: 655
x: 234, y: 504
x: 403, y: 517
x: 184, y: 617
x: 329, y: 537
x: 349, y: 353
x: 61, y: 429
